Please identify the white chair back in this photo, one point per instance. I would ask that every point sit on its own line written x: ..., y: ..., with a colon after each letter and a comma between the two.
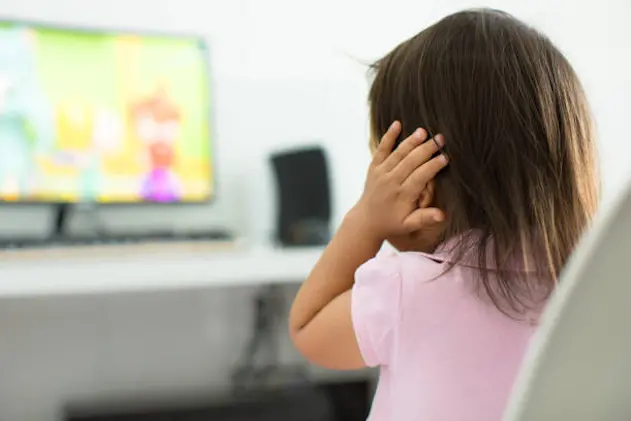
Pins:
x: 578, y: 366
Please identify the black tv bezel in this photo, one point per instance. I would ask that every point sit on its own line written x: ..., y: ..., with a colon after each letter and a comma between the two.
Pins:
x: 202, y: 41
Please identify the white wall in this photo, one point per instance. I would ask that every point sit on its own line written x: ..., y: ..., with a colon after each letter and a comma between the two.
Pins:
x: 284, y: 73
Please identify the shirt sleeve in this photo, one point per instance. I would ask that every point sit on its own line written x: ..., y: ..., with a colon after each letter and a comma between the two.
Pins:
x: 375, y: 308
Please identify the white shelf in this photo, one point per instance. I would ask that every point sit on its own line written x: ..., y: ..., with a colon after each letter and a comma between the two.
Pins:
x: 117, y: 269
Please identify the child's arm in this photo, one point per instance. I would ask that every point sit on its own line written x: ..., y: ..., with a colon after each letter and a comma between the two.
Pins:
x: 320, y: 316
x: 320, y: 320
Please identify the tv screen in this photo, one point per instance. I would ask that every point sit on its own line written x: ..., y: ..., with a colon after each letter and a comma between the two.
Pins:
x: 92, y: 116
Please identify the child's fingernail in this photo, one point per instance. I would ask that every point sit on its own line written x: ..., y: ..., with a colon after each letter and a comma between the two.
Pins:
x: 393, y: 125
x: 444, y: 158
x: 440, y: 140
x: 418, y: 133
x: 438, y: 217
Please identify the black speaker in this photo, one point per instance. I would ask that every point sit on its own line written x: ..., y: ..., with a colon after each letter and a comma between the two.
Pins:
x: 304, y: 197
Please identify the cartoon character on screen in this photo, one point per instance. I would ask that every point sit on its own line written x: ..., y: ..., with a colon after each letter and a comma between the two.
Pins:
x: 157, y: 123
x: 86, y: 133
x: 26, y: 122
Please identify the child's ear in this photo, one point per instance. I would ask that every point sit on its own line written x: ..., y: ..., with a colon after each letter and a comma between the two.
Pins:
x: 426, y: 198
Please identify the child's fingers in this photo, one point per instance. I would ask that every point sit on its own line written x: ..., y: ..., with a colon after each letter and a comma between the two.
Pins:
x: 417, y: 157
x: 408, y: 145
x: 422, y: 218
x: 416, y: 182
x: 387, y: 143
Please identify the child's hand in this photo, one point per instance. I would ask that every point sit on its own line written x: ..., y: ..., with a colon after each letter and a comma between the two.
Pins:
x: 395, y: 181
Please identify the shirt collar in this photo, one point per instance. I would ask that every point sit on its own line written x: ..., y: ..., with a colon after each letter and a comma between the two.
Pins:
x: 448, y: 252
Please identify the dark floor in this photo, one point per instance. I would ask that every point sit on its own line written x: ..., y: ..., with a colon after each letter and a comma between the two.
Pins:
x: 341, y: 401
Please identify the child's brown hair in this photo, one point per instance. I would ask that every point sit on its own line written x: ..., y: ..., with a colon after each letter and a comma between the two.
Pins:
x: 518, y: 133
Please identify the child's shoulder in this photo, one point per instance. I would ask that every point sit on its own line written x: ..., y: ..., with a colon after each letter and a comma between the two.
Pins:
x: 392, y: 266
x: 392, y: 289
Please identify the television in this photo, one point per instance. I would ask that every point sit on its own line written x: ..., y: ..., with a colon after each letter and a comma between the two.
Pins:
x: 102, y: 117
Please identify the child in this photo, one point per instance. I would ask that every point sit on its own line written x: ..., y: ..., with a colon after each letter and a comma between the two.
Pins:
x: 482, y: 235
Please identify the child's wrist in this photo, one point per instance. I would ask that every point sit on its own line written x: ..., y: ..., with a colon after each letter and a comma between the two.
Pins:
x: 357, y: 223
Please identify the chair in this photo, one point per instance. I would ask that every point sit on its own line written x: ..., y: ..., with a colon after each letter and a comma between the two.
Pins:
x: 578, y: 366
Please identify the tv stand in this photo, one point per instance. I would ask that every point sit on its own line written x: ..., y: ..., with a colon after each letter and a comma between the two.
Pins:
x: 61, y: 215
x: 60, y: 220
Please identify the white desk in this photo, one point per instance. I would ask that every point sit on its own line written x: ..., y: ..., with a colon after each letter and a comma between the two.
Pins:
x: 115, y: 269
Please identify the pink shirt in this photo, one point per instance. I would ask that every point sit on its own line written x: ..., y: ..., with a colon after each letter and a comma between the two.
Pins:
x: 444, y: 353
